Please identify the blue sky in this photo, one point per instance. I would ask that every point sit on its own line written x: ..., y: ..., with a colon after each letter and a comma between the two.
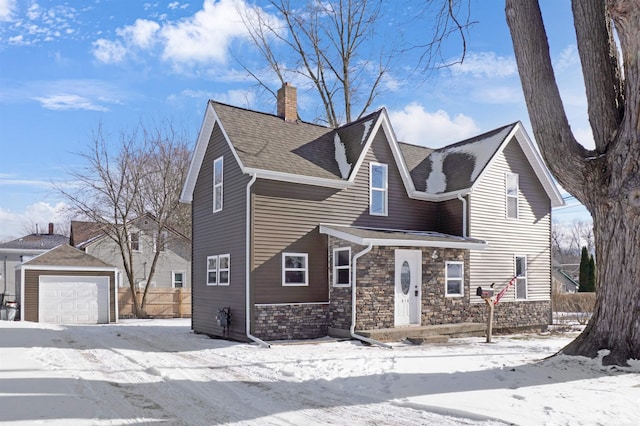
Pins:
x: 67, y: 67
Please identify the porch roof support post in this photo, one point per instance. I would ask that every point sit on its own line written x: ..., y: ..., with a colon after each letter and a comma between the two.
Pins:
x: 354, y: 273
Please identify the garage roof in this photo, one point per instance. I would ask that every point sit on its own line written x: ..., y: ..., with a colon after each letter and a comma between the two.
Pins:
x: 65, y: 255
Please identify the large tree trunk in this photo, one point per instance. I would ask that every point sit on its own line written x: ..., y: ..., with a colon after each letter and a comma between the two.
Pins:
x: 606, y: 180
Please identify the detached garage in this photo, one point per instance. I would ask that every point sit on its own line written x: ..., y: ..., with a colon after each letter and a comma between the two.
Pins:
x: 67, y: 286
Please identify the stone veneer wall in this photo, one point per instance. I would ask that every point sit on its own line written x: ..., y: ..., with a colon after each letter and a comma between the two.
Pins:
x: 375, y: 294
x: 289, y: 322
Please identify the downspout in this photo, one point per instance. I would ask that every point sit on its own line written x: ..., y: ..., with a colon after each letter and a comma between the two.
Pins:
x: 354, y: 272
x: 248, y: 267
x: 464, y: 215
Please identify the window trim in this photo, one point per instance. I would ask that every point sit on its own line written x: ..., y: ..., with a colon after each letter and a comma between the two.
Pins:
x: 336, y: 267
x: 508, y: 196
x: 523, y: 277
x: 209, y: 270
x: 227, y: 269
x: 305, y: 269
x: 138, y: 234
x: 164, y: 235
x: 218, y: 162
x: 173, y: 278
x: 447, y: 279
x: 384, y: 191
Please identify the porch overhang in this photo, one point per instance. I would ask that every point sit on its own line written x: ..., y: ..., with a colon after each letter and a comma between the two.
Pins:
x: 400, y: 238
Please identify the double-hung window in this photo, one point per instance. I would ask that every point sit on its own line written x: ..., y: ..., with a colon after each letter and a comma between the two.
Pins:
x: 218, y: 268
x: 217, y: 184
x: 378, y: 189
x: 512, y: 189
x: 342, y: 267
x: 223, y: 269
x: 177, y: 279
x: 212, y: 270
x: 295, y: 269
x: 454, y: 278
x: 160, y: 241
x: 134, y: 241
x: 521, y: 277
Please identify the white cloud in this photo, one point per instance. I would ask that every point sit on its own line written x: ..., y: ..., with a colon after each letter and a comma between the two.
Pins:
x: 141, y: 34
x: 6, y: 9
x: 108, y: 51
x: 486, y: 64
x: 434, y: 129
x: 16, y: 224
x: 65, y: 102
x: 244, y: 98
x: 568, y: 58
x: 177, y: 5
x: 201, y: 39
x: 206, y: 36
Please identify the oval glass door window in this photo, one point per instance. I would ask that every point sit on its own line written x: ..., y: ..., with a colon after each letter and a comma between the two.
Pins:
x: 405, y: 277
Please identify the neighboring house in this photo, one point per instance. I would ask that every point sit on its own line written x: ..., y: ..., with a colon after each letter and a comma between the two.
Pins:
x: 13, y: 253
x: 564, y: 283
x: 300, y: 231
x: 173, y: 269
x: 67, y: 286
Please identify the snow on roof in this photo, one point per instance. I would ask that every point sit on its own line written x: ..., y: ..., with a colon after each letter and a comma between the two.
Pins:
x: 367, y: 126
x: 478, y: 152
x: 341, y: 157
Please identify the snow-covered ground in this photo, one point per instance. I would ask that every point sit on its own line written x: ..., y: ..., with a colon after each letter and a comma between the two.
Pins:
x: 158, y: 372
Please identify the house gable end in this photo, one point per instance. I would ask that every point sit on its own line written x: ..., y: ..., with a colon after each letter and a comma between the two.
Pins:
x: 383, y: 123
x: 204, y: 136
x: 535, y: 161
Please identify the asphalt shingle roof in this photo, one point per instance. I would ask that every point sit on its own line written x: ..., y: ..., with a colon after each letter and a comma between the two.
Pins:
x: 65, y: 255
x: 36, y: 242
x: 267, y: 142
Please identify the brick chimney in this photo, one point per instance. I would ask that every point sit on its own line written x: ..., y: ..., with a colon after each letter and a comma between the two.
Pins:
x: 50, y: 228
x: 288, y: 102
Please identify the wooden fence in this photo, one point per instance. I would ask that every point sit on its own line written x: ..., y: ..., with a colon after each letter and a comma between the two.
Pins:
x: 569, y: 307
x: 160, y: 303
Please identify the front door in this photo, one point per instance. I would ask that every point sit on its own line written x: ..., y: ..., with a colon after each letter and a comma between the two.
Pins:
x: 408, y: 292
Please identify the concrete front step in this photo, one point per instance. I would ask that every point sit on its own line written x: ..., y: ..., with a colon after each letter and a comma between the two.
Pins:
x: 399, y: 333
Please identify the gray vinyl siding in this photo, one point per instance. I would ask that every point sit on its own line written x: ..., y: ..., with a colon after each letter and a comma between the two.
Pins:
x: 529, y: 235
x: 219, y: 233
x: 287, y: 215
x: 175, y: 257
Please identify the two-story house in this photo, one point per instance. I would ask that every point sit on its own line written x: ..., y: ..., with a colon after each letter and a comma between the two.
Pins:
x: 300, y: 230
x: 173, y: 269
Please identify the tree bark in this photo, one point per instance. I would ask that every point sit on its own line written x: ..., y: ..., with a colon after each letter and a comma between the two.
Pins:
x: 607, y: 180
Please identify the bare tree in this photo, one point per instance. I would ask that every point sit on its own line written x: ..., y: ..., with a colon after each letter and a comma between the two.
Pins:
x: 142, y: 176
x: 325, y: 45
x: 606, y: 179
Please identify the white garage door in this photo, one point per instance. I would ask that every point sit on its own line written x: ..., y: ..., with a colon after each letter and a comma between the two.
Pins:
x: 73, y: 300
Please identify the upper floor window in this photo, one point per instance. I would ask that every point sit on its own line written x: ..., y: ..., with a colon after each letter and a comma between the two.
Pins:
x: 512, y: 190
x: 217, y: 184
x: 134, y: 241
x: 454, y: 278
x: 521, y: 277
x: 342, y: 267
x: 295, y: 269
x: 378, y: 187
x: 160, y: 241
